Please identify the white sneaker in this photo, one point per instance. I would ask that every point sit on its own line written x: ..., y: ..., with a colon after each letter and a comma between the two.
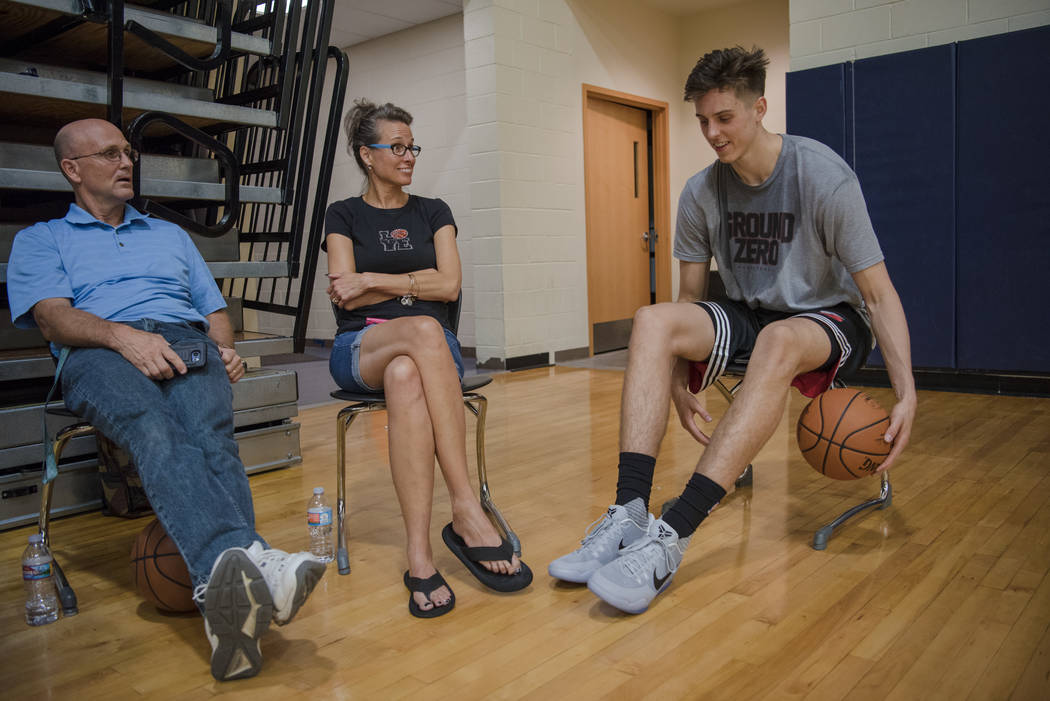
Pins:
x: 606, y: 538
x: 237, y: 610
x: 290, y: 576
x: 645, y: 569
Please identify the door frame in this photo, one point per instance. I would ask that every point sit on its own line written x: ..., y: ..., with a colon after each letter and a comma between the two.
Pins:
x: 661, y: 188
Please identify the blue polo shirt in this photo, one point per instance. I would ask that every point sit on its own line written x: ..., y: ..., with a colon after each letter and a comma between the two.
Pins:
x: 146, y: 268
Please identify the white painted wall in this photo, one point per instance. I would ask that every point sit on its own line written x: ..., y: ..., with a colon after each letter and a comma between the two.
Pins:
x: 530, y: 296
x: 824, y: 32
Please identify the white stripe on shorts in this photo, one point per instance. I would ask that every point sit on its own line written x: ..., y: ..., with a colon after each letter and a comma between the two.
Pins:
x: 844, y: 347
x: 716, y: 364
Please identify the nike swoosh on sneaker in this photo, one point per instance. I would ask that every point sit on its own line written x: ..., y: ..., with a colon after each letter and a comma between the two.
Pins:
x: 659, y: 581
x: 623, y: 546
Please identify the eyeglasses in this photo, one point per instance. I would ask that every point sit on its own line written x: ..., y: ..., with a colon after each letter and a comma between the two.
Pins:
x: 399, y: 149
x: 113, y: 154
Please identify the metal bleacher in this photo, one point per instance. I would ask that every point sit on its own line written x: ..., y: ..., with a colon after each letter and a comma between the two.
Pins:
x: 224, y: 99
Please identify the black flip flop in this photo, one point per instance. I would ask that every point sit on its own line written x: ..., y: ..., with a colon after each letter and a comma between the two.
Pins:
x: 471, y: 557
x: 426, y: 587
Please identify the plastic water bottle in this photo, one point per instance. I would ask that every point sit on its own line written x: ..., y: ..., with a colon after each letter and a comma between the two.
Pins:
x: 41, y: 598
x: 319, y: 523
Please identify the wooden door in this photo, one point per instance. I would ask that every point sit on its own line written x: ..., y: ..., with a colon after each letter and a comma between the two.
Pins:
x: 616, y: 159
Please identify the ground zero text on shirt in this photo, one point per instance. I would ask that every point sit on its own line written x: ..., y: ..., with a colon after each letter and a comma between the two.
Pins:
x: 757, y: 235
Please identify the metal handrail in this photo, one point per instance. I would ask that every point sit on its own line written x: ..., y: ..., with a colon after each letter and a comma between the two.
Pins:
x: 230, y: 168
x: 115, y: 110
x: 324, y: 182
x: 305, y: 166
x: 223, y: 21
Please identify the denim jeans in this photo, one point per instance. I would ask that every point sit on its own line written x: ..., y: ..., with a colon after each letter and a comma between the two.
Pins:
x: 344, y: 362
x: 179, y: 433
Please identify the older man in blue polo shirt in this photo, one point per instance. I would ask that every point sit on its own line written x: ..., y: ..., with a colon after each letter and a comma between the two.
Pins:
x: 118, y: 287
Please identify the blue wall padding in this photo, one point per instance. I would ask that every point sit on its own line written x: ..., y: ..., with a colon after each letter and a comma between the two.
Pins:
x: 904, y: 123
x: 1003, y: 230
x: 819, y: 106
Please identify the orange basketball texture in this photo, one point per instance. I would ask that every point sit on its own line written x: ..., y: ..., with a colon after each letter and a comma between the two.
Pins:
x: 840, y: 434
x: 159, y: 572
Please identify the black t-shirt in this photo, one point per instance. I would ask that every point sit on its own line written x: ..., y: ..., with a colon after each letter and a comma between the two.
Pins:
x: 392, y: 241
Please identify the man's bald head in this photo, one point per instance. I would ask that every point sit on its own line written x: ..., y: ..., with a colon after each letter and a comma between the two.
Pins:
x: 101, y: 184
x: 74, y: 138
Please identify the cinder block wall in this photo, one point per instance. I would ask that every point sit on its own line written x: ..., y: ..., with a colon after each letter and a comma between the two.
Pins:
x: 523, y: 122
x: 824, y: 32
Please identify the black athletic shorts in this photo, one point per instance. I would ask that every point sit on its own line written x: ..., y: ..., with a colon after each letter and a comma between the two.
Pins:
x: 736, y: 330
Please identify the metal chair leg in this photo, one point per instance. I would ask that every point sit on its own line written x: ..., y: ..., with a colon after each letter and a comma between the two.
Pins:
x: 66, y: 596
x: 820, y: 538
x: 885, y: 498
x: 342, y: 425
x: 727, y: 391
x: 478, y: 406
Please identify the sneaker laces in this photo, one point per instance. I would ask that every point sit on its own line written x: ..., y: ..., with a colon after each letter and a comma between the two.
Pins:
x: 641, y: 557
x: 271, y: 563
x: 271, y: 558
x: 601, y: 527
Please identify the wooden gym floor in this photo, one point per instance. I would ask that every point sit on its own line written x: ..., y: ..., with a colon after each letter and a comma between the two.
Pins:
x: 945, y: 595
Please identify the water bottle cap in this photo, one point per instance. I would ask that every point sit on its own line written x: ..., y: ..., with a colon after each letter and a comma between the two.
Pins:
x: 36, y: 538
x: 318, y: 490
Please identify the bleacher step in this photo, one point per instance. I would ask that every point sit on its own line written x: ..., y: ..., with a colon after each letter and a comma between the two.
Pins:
x: 42, y: 86
x: 33, y: 167
x: 165, y: 24
x: 77, y: 487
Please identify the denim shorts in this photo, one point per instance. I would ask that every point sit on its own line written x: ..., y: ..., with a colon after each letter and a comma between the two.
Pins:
x: 345, y: 361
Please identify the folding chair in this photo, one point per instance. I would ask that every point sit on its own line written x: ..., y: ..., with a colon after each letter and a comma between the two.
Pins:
x: 735, y: 371
x: 366, y: 403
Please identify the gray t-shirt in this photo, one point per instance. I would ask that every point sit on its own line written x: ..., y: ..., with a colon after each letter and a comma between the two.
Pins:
x: 789, y: 244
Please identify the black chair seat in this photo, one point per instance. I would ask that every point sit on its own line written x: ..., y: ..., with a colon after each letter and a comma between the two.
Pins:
x: 61, y: 410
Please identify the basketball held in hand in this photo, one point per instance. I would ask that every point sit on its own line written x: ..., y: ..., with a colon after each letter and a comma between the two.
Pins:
x: 159, y: 572
x: 840, y: 433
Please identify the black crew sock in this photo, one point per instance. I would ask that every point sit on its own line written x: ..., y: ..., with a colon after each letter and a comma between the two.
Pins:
x: 700, y: 496
x: 636, y: 478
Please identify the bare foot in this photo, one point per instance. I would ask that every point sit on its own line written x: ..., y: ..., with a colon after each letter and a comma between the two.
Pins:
x: 477, y: 531
x: 439, y: 597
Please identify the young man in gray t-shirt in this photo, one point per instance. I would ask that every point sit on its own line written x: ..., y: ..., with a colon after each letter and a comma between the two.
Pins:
x: 806, y: 288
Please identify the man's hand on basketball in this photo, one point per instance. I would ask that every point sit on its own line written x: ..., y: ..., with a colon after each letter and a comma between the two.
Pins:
x: 149, y: 352
x: 899, y: 432
x: 689, y: 407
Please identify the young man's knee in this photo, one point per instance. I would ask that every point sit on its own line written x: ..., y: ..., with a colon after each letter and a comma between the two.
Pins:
x: 652, y: 322
x: 777, y: 345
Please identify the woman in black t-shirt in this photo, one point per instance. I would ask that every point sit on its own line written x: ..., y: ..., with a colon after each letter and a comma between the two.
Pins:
x: 394, y: 268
